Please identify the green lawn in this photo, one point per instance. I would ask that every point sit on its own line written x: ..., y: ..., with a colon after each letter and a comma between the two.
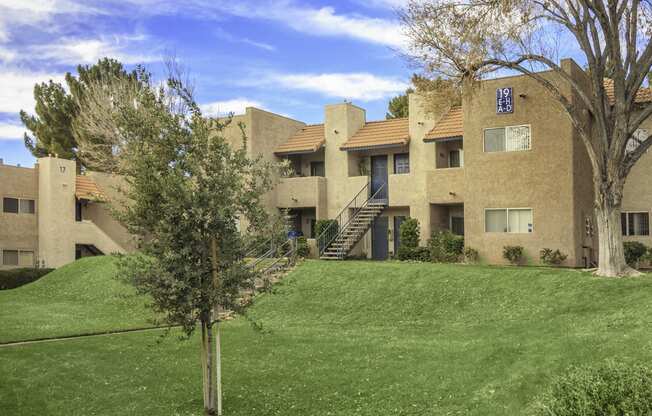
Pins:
x: 79, y: 298
x: 356, y: 338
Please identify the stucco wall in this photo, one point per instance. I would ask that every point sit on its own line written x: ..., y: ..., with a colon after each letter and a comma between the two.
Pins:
x: 56, y: 211
x: 540, y: 178
x: 305, y: 192
x: 341, y: 122
x: 638, y: 188
x: 100, y: 212
x: 18, y: 231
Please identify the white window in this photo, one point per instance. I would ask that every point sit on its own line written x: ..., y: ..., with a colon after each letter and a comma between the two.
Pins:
x: 495, y: 221
x: 24, y: 258
x: 16, y: 205
x: 26, y: 206
x: 639, y: 136
x: 635, y: 223
x: 10, y: 257
x: 507, y: 139
x: 508, y: 220
x: 402, y: 163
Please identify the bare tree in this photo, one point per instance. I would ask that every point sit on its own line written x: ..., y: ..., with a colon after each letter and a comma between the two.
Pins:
x: 464, y: 40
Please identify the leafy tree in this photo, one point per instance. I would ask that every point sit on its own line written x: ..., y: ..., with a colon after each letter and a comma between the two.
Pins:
x: 186, y: 190
x: 463, y: 41
x: 398, y: 106
x: 52, y: 126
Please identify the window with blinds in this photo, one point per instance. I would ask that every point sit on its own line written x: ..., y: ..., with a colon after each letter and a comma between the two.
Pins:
x: 635, y: 223
x: 10, y: 257
x: 508, y: 220
x: 507, y: 139
x: 17, y: 205
x: 24, y: 258
x: 402, y: 163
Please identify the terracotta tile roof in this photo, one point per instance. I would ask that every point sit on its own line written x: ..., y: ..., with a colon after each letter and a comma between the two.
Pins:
x: 450, y: 125
x: 394, y: 132
x: 86, y: 188
x: 644, y: 95
x: 307, y: 140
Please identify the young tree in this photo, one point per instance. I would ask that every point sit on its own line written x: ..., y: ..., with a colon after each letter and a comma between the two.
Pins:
x: 56, y: 108
x: 186, y: 190
x: 465, y: 40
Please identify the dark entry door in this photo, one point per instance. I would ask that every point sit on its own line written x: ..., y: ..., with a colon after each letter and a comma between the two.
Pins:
x: 379, y: 176
x: 398, y: 220
x: 379, y: 239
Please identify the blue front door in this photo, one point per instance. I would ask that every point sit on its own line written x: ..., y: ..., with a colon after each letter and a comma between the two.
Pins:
x: 379, y: 239
x: 379, y: 176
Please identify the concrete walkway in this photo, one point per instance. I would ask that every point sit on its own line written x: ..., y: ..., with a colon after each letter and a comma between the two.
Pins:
x: 89, y: 335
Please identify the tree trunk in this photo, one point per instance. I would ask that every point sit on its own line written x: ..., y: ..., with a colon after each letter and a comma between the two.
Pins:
x: 208, y: 364
x: 216, y: 310
x: 218, y: 368
x: 611, y: 262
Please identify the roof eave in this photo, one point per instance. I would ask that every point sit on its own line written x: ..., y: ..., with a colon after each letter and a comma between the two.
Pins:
x: 300, y: 151
x: 354, y: 148
x: 443, y: 139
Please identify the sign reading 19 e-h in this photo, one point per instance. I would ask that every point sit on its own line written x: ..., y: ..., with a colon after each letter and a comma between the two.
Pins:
x: 504, y: 100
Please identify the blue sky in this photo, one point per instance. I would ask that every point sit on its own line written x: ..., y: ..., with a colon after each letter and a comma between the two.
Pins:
x: 287, y: 56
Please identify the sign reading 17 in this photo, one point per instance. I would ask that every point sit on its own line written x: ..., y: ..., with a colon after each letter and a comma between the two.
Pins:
x: 504, y: 100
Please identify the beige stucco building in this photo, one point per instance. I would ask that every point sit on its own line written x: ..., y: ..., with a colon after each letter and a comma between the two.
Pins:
x: 504, y: 168
x: 51, y: 215
x: 518, y: 175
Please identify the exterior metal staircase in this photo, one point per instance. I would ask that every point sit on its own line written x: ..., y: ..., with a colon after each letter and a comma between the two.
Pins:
x: 277, y: 258
x: 352, y: 223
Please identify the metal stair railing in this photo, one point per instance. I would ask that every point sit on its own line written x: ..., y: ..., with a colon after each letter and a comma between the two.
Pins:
x: 341, y: 224
x: 289, y: 255
x: 287, y: 250
x: 330, y: 233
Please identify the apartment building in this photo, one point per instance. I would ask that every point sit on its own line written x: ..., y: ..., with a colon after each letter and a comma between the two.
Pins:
x: 504, y: 168
x: 51, y: 215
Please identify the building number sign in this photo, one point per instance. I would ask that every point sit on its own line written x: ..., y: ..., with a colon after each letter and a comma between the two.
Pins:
x: 504, y: 101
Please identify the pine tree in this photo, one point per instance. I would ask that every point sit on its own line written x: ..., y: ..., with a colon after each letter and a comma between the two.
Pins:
x: 51, y: 127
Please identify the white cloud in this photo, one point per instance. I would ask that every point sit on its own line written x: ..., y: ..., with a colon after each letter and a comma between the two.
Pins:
x: 17, y: 88
x: 386, y: 4
x: 10, y: 131
x: 75, y: 51
x: 223, y: 108
x: 261, y: 45
x: 7, y: 55
x: 354, y: 86
x: 36, y: 13
x: 222, y: 34
x: 324, y: 21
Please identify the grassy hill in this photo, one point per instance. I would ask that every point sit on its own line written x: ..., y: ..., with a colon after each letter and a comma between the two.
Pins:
x: 80, y: 297
x: 355, y: 338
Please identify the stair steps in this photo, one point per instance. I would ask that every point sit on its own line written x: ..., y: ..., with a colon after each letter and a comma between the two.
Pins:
x: 353, y: 232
